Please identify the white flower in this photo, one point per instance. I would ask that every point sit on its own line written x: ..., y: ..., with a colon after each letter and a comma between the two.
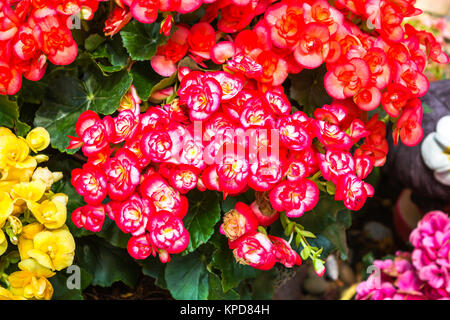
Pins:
x: 436, y: 151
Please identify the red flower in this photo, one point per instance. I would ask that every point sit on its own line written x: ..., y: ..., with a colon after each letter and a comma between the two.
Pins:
x: 117, y: 19
x: 201, y: 93
x: 294, y: 197
x: 335, y: 163
x: 133, y: 215
x: 284, y: 253
x: 353, y: 191
x: 293, y: 134
x: 201, y: 39
x: 164, y: 198
x: 167, y: 232
x: 168, y: 54
x: 140, y: 247
x: 123, y: 127
x: 408, y: 126
x: 254, y: 249
x: 313, y: 46
x: 90, y: 182
x: 122, y: 174
x: 89, y: 217
x: 92, y: 132
x: 145, y: 11
x: 55, y: 40
x: 286, y: 23
x: 345, y: 80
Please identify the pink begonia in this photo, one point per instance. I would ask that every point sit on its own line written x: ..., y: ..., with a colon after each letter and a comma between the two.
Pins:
x: 420, y: 275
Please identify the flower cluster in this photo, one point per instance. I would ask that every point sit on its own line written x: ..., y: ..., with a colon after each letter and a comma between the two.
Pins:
x: 32, y: 32
x: 252, y: 247
x: 32, y: 217
x: 423, y: 274
x: 142, y: 201
x: 232, y: 128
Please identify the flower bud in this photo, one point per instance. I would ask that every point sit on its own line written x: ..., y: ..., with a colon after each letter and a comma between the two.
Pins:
x: 38, y: 139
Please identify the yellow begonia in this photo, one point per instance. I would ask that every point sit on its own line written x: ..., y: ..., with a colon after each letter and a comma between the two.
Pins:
x: 51, y: 213
x: 15, y: 153
x: 26, y: 238
x: 54, y: 249
x: 5, y: 294
x: 3, y: 242
x: 46, y: 176
x: 17, y: 175
x: 6, y: 207
x: 31, y: 282
x: 38, y: 139
x: 29, y: 191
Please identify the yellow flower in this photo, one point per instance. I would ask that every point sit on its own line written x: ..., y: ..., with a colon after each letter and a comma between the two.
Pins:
x: 31, y: 282
x: 3, y: 242
x: 54, y: 249
x: 51, y: 213
x: 6, y: 207
x: 17, y: 174
x: 29, y: 191
x: 46, y: 176
x: 26, y: 238
x: 38, y: 139
x: 6, y: 132
x: 14, y: 152
x: 5, y: 294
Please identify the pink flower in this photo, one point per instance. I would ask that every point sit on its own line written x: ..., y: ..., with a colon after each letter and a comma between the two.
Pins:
x: 89, y: 217
x: 201, y: 93
x: 352, y: 191
x: 294, y: 197
x: 431, y: 256
x: 255, y: 250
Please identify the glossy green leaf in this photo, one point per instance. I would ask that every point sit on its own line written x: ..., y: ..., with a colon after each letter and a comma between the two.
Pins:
x: 68, y: 97
x: 216, y: 292
x: 106, y: 263
x: 9, y: 116
x: 141, y: 40
x: 187, y: 277
x: 232, y: 272
x: 203, y: 214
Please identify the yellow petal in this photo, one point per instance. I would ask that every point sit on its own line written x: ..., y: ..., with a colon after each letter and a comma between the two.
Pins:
x: 32, y: 191
x: 38, y: 139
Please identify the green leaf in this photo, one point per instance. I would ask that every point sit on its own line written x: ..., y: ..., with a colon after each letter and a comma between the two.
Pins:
x: 93, y: 41
x: 61, y: 290
x: 106, y: 263
x: 9, y: 116
x: 216, y: 292
x: 203, y: 214
x: 32, y: 91
x: 337, y: 236
x: 187, y: 277
x: 144, y: 79
x: 426, y: 108
x: 64, y: 164
x: 68, y: 97
x: 154, y: 268
x: 110, y: 56
x: 307, y: 88
x: 141, y: 40
x: 232, y: 272
x: 111, y: 233
x: 263, y: 285
x: 322, y: 215
x: 230, y: 202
